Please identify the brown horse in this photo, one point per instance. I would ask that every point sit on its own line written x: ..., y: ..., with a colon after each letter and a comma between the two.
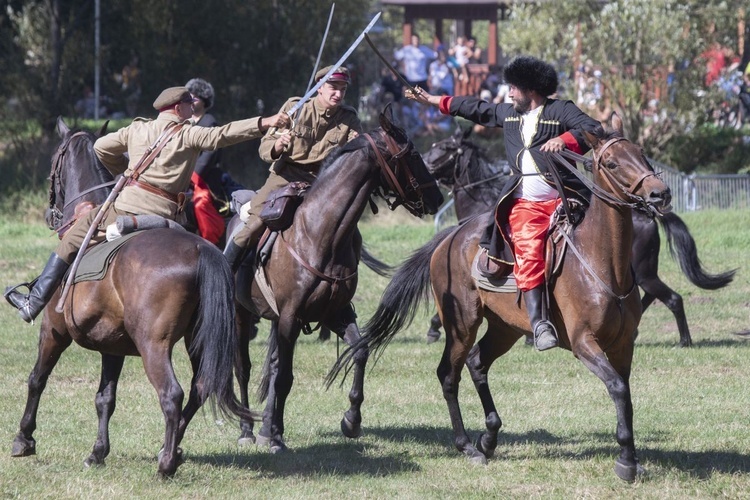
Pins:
x: 595, y: 302
x: 476, y: 184
x: 312, y: 269
x: 162, y: 285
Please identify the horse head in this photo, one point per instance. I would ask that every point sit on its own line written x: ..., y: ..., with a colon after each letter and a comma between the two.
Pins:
x: 76, y: 176
x: 446, y: 158
x: 404, y: 173
x: 621, y: 168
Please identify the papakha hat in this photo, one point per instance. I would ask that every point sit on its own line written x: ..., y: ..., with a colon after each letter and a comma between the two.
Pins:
x: 340, y: 75
x: 530, y: 73
x: 171, y: 96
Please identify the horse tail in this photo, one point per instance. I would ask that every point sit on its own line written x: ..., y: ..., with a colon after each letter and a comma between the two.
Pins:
x: 375, y: 265
x: 268, y: 365
x: 398, y: 305
x: 682, y: 248
x: 215, y: 341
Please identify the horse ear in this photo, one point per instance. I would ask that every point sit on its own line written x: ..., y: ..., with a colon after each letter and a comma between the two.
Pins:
x: 103, y: 130
x: 591, y: 139
x: 62, y: 127
x: 616, y: 123
x: 386, y: 118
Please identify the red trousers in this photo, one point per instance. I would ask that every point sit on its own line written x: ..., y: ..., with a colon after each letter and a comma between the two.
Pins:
x: 210, y: 222
x: 529, y: 221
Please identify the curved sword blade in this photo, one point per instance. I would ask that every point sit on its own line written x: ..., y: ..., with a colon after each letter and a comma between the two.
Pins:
x: 320, y: 51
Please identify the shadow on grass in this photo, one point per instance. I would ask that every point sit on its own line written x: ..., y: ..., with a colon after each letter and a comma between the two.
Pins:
x: 368, y: 458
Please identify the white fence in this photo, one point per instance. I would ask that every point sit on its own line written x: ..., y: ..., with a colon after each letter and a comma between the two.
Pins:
x: 689, y: 193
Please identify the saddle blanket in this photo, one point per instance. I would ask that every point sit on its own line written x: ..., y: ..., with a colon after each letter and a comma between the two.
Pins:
x: 502, y: 284
x: 95, y: 262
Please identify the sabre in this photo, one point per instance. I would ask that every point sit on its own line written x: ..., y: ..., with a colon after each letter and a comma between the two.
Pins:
x: 335, y: 67
x: 388, y: 65
x: 320, y: 51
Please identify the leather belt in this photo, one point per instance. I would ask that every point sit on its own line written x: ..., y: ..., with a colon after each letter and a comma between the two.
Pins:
x: 153, y: 189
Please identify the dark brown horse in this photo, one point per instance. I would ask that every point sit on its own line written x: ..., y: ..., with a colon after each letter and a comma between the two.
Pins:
x: 595, y: 302
x: 476, y: 183
x: 312, y: 269
x: 162, y: 285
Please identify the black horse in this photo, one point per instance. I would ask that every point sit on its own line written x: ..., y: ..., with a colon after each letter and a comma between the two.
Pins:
x: 476, y: 183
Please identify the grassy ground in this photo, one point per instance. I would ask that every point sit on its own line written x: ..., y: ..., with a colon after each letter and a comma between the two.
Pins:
x: 692, y: 406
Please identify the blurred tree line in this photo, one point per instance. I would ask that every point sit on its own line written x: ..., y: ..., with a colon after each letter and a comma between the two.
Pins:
x: 258, y: 53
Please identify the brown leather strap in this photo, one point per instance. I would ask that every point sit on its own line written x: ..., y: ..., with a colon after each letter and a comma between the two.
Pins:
x: 154, y: 150
x: 152, y: 189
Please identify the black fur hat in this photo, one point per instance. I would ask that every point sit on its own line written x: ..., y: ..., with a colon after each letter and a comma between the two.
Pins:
x: 201, y: 88
x: 529, y: 73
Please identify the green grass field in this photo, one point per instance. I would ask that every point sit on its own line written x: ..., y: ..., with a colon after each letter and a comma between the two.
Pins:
x: 692, y: 406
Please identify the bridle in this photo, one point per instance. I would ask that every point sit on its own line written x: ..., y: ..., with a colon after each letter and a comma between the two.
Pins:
x: 455, y: 158
x: 627, y: 194
x: 57, y: 214
x: 390, y: 171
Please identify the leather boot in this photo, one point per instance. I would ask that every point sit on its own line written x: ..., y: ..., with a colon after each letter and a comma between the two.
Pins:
x: 233, y: 253
x: 247, y: 238
x: 545, y: 336
x: 29, y: 306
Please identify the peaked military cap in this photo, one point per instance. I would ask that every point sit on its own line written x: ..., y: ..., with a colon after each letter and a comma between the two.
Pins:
x: 171, y: 96
x: 340, y: 75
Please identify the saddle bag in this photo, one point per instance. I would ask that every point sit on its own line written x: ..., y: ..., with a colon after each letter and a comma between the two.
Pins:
x: 278, y: 210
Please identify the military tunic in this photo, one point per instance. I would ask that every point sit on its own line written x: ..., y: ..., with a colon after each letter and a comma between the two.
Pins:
x: 317, y: 131
x: 169, y: 172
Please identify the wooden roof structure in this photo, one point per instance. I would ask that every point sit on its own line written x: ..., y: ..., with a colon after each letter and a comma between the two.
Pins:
x: 460, y: 10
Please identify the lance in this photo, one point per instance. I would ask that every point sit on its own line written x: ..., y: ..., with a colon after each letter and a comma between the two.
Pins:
x: 320, y: 51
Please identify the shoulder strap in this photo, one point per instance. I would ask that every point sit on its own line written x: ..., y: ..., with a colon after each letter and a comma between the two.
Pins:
x: 154, y: 150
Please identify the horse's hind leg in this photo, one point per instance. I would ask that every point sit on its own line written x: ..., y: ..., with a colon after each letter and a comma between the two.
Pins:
x: 105, y: 406
x: 460, y: 333
x: 160, y: 372
x: 51, y: 346
x: 351, y: 424
x: 433, y: 334
x: 490, y: 347
x: 655, y: 288
x: 247, y: 328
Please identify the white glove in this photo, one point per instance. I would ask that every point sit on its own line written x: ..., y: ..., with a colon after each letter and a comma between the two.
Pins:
x: 113, y: 233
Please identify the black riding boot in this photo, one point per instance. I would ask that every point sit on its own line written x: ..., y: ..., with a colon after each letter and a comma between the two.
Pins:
x: 233, y: 253
x: 29, y: 306
x: 545, y: 336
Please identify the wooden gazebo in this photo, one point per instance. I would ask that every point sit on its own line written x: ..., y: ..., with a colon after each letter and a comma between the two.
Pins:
x: 465, y: 11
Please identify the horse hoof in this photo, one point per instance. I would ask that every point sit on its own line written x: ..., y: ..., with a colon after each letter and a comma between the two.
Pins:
x: 349, y: 429
x: 246, y: 440
x: 432, y: 337
x: 92, y: 461
x: 476, y: 457
x: 628, y: 472
x: 277, y: 448
x: 262, y: 440
x: 487, y: 451
x: 23, y: 448
x: 179, y: 456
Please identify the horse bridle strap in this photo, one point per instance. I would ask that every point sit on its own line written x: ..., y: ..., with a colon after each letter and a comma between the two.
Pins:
x: 329, y: 279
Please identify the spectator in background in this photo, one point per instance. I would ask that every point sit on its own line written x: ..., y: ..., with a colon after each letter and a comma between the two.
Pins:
x: 415, y: 60
x: 474, y: 52
x: 460, y: 53
x: 130, y: 82
x: 390, y: 84
x: 714, y: 59
x: 441, y: 76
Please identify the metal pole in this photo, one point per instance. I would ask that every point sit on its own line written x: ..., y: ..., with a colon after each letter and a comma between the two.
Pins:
x: 97, y: 60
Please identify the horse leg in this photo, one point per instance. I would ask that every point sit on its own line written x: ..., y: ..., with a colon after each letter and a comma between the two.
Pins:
x: 51, y: 346
x: 160, y: 373
x: 247, y: 327
x: 433, y: 334
x: 272, y: 431
x: 614, y: 370
x: 105, y: 401
x: 460, y: 334
x: 351, y: 424
x: 480, y: 359
x: 655, y: 288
